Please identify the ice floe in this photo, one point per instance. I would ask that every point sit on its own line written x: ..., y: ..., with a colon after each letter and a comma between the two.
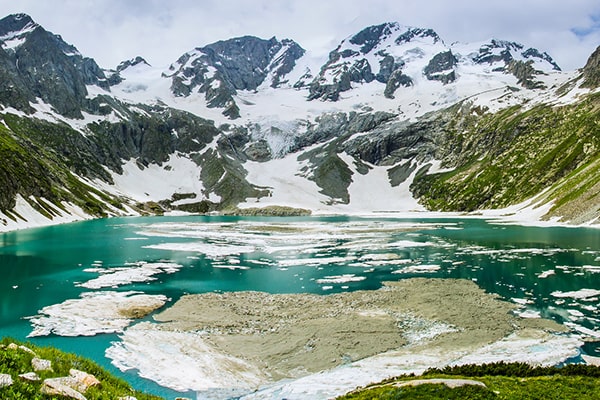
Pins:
x: 418, y: 269
x: 138, y: 272
x: 585, y: 294
x: 545, y: 274
x: 341, y: 279
x: 94, y: 313
x: 181, y: 360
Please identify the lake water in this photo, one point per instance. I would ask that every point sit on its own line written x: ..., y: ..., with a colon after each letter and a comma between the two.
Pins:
x: 550, y: 272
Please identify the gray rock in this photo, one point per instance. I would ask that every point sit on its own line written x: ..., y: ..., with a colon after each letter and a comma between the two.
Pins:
x: 45, y: 67
x: 222, y: 68
x: 27, y: 350
x: 441, y: 67
x: 30, y: 376
x: 396, y: 80
x: 40, y: 364
x: 591, y: 71
x: 5, y: 380
x: 58, y: 387
x: 83, y: 380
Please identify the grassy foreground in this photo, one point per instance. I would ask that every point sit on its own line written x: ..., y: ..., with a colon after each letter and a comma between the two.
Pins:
x: 502, y: 380
x: 17, y: 361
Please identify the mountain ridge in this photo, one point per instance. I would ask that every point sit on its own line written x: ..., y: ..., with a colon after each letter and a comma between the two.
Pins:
x: 247, y: 122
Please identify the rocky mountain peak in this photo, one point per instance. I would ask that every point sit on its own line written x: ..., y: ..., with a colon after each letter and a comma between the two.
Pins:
x: 131, y: 63
x: 418, y: 33
x: 38, y: 64
x: 382, y: 53
x: 16, y: 23
x: 504, y: 52
x: 220, y: 69
x: 591, y: 71
x: 371, y: 36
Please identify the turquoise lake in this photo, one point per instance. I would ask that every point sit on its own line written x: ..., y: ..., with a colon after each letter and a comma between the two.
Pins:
x: 550, y: 272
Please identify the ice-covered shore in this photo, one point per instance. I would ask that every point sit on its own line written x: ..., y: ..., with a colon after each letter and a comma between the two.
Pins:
x: 263, y: 346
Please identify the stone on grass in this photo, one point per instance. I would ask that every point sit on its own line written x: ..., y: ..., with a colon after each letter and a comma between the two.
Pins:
x: 84, y: 380
x: 27, y: 350
x: 57, y: 387
x: 39, y: 364
x: 5, y: 380
x: 30, y: 376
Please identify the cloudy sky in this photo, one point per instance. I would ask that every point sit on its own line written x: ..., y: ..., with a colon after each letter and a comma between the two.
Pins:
x: 161, y: 30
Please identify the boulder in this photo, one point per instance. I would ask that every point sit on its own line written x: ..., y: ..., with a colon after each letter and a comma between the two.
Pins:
x: 27, y: 350
x: 30, y: 376
x: 57, y: 387
x: 40, y: 364
x: 84, y: 380
x: 5, y: 380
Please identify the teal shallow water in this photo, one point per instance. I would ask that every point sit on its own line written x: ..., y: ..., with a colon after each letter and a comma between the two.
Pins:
x: 552, y: 272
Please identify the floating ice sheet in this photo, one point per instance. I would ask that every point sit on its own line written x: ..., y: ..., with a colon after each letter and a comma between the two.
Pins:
x: 138, y: 272
x: 586, y: 294
x: 94, y: 313
x: 180, y: 360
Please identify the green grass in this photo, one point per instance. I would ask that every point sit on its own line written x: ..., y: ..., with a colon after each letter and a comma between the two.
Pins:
x: 504, y: 381
x: 15, y: 362
x: 504, y: 158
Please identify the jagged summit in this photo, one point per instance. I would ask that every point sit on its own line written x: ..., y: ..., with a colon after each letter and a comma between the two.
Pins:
x: 390, y: 53
x: 16, y: 23
x: 220, y: 69
x: 39, y: 66
x: 504, y: 51
x: 138, y: 60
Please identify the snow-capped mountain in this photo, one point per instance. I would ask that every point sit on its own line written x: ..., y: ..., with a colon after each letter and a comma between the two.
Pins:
x: 37, y: 64
x: 252, y: 122
x: 218, y: 70
x: 388, y: 67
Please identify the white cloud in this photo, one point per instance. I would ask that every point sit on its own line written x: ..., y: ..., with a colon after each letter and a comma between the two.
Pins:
x: 161, y: 30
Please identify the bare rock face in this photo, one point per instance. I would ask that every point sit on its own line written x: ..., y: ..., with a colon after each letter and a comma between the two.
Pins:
x: 591, y: 71
x: 220, y: 69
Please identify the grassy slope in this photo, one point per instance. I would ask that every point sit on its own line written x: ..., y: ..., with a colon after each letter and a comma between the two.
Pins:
x: 504, y: 158
x: 37, y: 160
x: 15, y: 362
x: 504, y: 382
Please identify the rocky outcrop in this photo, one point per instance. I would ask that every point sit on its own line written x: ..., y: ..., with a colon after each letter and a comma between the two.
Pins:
x: 525, y: 73
x: 500, y: 53
x: 60, y: 387
x: 441, y: 67
x: 73, y: 386
x: 591, y: 71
